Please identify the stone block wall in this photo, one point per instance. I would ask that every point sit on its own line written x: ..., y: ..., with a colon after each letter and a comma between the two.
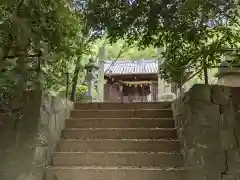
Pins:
x: 26, y: 144
x: 208, y: 121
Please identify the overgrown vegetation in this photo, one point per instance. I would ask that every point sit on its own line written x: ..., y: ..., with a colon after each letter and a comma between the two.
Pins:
x: 195, y: 33
x: 45, y: 44
x: 41, y: 45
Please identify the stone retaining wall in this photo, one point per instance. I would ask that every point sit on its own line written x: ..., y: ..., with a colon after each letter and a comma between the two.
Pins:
x: 26, y: 145
x: 209, y: 128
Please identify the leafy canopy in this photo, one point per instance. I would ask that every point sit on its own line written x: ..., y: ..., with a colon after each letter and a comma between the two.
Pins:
x: 195, y: 33
x: 29, y: 27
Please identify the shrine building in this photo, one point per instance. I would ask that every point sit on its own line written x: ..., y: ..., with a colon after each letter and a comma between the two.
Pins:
x: 133, y: 81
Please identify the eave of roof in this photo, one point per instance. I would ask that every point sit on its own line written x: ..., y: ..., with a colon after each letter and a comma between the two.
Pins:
x: 124, y: 67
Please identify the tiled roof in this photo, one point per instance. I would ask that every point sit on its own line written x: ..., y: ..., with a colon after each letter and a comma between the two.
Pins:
x: 131, y: 67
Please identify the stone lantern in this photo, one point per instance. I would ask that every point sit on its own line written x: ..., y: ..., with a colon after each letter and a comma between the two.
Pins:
x: 91, y: 68
x: 228, y: 76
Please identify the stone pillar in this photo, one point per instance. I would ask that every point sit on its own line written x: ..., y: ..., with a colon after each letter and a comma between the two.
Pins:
x: 90, y: 77
x: 149, y: 97
x: 160, y: 80
x: 161, y: 87
x: 101, y: 74
x: 90, y: 87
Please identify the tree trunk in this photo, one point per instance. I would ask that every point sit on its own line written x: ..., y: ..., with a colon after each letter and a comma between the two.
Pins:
x: 75, y: 82
x: 205, y: 72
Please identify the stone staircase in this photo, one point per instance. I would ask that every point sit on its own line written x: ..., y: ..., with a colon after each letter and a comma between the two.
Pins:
x: 107, y: 141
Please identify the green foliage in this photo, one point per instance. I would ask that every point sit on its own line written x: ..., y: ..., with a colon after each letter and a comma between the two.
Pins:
x: 81, y: 91
x: 128, y: 52
x: 50, y: 27
x: 8, y: 83
x: 28, y: 24
x: 195, y: 33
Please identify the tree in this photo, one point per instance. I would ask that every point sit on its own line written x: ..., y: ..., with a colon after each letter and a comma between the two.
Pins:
x: 195, y: 33
x: 39, y: 41
x: 86, y: 41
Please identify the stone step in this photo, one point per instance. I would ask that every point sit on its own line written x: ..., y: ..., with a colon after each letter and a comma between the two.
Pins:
x: 3, y: 115
x: 120, y: 123
x: 139, y: 159
x: 139, y: 113
x: 119, y: 145
x: 113, y: 173
x: 126, y: 133
x: 111, y: 106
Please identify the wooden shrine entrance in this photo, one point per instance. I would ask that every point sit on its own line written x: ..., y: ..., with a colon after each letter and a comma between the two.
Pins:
x: 135, y: 81
x: 131, y: 88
